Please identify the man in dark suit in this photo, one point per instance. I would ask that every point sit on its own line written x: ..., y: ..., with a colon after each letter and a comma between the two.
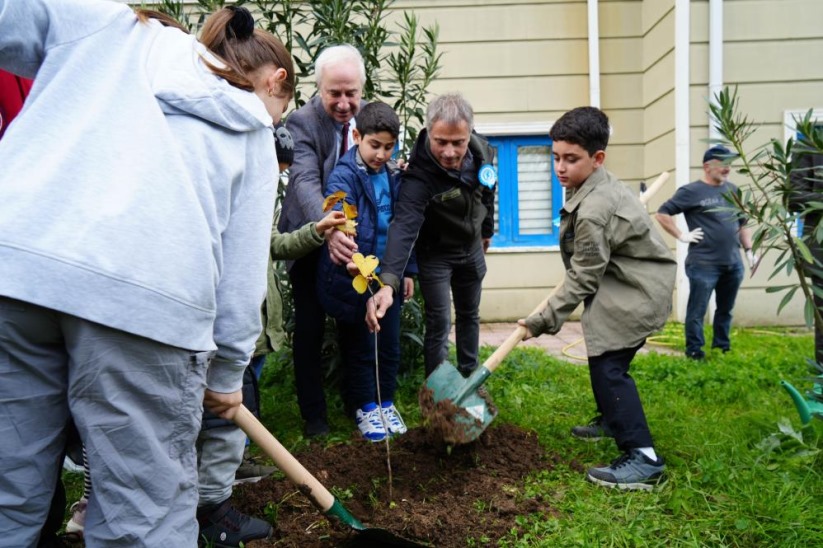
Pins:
x: 322, y: 133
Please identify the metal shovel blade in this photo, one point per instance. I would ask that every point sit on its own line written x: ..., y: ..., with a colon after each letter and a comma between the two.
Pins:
x: 452, y: 407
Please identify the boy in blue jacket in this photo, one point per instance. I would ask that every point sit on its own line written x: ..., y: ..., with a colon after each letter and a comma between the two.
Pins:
x: 371, y: 184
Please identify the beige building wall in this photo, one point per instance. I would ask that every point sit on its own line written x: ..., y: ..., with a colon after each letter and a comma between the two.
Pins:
x: 773, y: 53
x: 521, y: 61
x: 526, y: 62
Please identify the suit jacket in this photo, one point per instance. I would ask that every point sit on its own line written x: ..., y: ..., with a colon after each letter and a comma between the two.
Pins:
x: 315, y: 153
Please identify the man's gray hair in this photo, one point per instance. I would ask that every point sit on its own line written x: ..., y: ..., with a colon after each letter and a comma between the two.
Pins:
x: 450, y: 108
x: 335, y: 55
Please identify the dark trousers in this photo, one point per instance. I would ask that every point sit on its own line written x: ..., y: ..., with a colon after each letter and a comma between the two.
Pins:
x: 462, y: 278
x: 617, y: 399
x: 817, y: 282
x: 358, y: 348
x: 725, y: 281
x: 309, y: 325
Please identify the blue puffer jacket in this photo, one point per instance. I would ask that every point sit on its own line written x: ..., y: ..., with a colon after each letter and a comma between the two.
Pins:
x: 334, y: 284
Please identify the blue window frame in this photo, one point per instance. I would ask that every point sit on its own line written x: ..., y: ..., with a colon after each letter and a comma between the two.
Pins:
x: 529, y: 195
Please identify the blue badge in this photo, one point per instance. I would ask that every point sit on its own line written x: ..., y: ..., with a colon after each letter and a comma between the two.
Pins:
x: 487, y: 175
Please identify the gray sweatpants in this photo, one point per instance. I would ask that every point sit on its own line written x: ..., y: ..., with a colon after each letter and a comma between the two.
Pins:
x: 137, y: 404
x: 220, y: 453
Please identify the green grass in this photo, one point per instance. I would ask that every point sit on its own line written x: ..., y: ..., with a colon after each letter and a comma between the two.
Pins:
x: 734, y: 478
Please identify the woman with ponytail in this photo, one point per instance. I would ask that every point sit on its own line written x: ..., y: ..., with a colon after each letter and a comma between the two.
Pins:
x: 136, y: 201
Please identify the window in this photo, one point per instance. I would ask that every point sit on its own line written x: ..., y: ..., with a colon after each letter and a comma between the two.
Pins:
x: 529, y: 196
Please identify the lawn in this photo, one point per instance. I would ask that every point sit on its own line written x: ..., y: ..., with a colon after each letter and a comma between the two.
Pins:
x: 741, y: 471
x: 734, y: 478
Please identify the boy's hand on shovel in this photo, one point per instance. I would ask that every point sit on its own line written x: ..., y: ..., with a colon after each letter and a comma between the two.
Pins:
x: 376, y: 307
x: 528, y: 334
x: 221, y: 404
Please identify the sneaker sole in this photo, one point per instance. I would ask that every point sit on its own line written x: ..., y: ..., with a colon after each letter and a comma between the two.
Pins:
x: 75, y: 528
x: 218, y: 545
x: 247, y: 480
x: 637, y: 486
x: 587, y: 438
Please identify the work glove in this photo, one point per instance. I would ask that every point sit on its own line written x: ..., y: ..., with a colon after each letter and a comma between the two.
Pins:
x: 691, y: 237
x: 752, y: 258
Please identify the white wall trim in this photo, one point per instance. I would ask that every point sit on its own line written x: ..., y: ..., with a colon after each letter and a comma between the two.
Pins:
x: 790, y: 115
x: 682, y: 133
x: 514, y: 128
x: 715, y: 60
x: 594, y: 53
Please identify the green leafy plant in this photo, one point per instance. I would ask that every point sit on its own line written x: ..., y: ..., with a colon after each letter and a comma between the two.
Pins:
x: 765, y: 202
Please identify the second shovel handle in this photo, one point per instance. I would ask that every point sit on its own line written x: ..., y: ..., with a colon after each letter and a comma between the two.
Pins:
x: 285, y: 461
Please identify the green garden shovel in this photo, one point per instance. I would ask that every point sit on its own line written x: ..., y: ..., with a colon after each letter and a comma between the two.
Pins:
x: 322, y: 499
x: 456, y: 409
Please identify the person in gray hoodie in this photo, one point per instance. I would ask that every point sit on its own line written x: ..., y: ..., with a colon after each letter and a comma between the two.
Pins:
x: 135, y: 212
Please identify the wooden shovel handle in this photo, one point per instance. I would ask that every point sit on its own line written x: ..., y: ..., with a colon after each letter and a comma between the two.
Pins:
x: 285, y: 461
x: 512, y: 340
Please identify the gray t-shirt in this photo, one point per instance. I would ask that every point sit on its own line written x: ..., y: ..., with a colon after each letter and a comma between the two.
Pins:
x: 704, y: 206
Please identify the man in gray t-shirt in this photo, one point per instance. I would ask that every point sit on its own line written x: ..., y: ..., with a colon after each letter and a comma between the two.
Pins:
x: 715, y: 236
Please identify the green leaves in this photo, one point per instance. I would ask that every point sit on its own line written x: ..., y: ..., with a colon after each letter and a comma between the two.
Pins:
x: 769, y: 201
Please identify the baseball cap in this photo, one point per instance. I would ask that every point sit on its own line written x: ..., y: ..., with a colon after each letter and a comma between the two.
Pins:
x: 717, y: 152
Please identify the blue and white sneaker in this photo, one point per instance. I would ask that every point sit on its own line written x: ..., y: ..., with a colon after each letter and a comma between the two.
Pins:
x: 393, y: 419
x: 369, y: 422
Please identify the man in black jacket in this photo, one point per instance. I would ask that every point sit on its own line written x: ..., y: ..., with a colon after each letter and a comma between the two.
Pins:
x: 446, y: 206
x: 807, y: 187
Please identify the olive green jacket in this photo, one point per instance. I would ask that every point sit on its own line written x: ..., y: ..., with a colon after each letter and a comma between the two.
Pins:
x: 285, y: 245
x: 617, y: 265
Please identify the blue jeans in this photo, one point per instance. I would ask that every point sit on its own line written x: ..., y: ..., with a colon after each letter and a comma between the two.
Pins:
x: 463, y: 276
x: 357, y: 347
x: 724, y: 280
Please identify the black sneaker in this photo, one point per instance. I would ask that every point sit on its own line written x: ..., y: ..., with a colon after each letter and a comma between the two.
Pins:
x: 594, y: 431
x: 632, y: 470
x: 316, y: 428
x: 222, y: 526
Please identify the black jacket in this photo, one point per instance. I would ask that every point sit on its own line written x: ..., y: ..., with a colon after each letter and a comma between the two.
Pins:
x: 446, y: 212
x: 807, y: 186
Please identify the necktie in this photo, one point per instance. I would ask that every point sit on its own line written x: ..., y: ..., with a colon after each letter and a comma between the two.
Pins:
x: 344, y: 142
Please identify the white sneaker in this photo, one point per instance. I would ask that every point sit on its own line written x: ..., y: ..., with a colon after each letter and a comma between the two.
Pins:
x: 70, y: 466
x: 77, y: 523
x: 370, y: 424
x: 393, y: 419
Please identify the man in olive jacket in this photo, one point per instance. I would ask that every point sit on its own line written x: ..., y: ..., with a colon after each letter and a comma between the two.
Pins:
x: 619, y: 267
x: 445, y: 211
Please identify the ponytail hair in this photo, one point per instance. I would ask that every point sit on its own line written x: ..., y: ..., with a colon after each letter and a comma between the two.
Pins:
x: 230, y: 34
x: 144, y: 15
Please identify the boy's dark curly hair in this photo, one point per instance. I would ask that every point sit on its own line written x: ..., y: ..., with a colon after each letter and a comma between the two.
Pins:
x: 587, y: 127
x: 376, y: 117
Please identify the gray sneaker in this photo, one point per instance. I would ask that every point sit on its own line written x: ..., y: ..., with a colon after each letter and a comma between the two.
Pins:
x: 250, y: 471
x: 594, y: 431
x: 632, y: 470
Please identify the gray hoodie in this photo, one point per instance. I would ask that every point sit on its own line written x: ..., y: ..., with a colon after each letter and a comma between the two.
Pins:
x: 136, y: 188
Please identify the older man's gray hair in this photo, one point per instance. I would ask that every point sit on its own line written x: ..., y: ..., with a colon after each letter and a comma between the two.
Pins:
x: 334, y: 55
x: 451, y: 109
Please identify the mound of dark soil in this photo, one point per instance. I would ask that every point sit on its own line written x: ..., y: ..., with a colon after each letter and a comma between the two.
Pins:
x: 436, y: 496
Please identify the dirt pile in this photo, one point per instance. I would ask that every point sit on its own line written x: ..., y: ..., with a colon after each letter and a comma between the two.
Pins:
x: 436, y: 496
